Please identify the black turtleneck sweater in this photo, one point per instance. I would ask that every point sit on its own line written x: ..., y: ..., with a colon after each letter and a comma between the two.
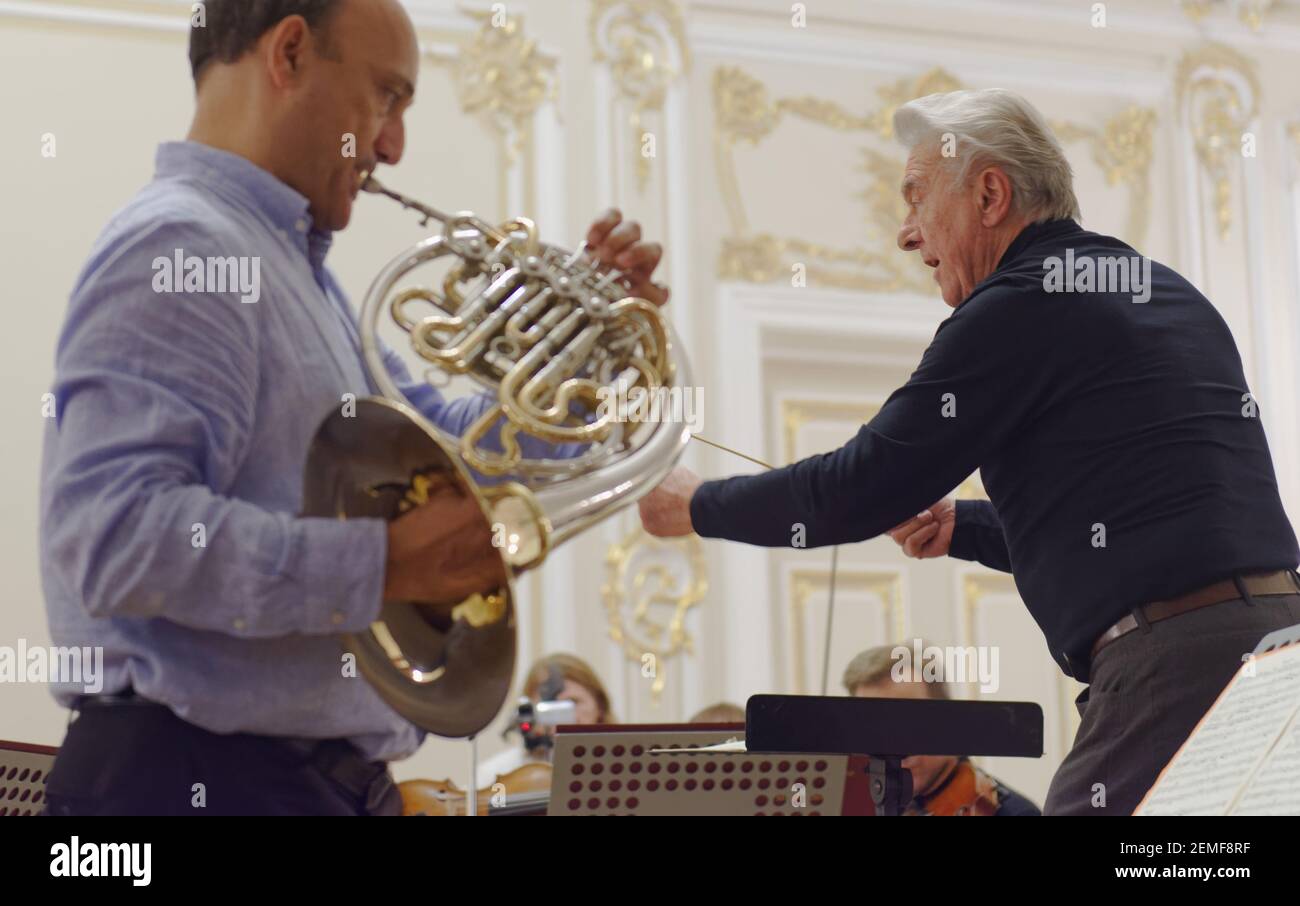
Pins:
x: 1124, y: 459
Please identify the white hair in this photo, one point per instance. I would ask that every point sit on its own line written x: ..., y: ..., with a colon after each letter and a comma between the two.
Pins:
x: 993, y: 126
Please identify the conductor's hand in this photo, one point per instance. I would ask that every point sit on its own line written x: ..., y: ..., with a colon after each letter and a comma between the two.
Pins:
x: 928, y: 533
x: 617, y: 243
x: 666, y: 511
x: 441, y: 551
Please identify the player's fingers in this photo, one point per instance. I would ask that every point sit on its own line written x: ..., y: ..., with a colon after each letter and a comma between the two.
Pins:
x: 601, y: 227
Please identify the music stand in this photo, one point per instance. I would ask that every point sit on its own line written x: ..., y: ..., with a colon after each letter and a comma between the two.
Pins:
x: 23, y: 772
x: 1278, y: 638
x: 795, y: 755
x: 659, y: 769
x: 890, y: 729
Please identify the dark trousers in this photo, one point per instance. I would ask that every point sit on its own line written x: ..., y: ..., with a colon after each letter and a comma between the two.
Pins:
x: 1149, y: 690
x: 141, y: 759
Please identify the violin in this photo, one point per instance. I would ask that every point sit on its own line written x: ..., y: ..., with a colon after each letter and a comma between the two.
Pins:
x: 524, y: 791
x: 966, y: 791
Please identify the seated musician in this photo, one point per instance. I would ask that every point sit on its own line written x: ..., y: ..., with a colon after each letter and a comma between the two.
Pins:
x: 941, y: 784
x: 555, y: 677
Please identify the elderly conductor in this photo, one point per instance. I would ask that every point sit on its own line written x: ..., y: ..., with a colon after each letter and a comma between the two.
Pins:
x: 1131, y: 490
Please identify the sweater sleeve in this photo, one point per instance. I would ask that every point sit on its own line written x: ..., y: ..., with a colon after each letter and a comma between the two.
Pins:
x: 986, y: 372
x: 978, y: 536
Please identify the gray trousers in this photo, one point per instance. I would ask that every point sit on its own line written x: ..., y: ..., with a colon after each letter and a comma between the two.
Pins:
x: 1148, y: 691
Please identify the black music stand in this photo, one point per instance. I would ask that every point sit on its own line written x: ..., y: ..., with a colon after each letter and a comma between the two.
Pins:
x: 1278, y: 638
x: 890, y: 729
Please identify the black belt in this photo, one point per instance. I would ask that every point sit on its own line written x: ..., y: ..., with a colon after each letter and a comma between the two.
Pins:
x: 113, y: 700
x: 367, y: 782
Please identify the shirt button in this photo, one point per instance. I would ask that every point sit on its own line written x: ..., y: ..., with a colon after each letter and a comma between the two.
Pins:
x: 337, y: 618
x: 240, y: 624
x: 301, y: 225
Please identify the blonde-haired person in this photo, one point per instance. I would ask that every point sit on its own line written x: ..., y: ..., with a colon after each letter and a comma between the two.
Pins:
x: 570, y: 678
x: 941, y: 784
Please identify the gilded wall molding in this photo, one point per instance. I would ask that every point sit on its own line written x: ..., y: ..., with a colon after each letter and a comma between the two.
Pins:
x: 650, y: 586
x: 643, y: 43
x: 1250, y: 13
x: 1121, y: 149
x: 1217, y: 95
x: 502, y: 77
x: 975, y: 587
x: 746, y: 111
x: 802, y: 584
x: 795, y: 413
x: 499, y: 73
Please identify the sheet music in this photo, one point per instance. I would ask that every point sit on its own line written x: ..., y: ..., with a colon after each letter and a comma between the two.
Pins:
x: 1274, y: 790
x: 732, y: 745
x: 1220, y: 759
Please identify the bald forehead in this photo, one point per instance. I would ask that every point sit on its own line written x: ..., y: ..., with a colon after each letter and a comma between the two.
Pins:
x: 383, y: 30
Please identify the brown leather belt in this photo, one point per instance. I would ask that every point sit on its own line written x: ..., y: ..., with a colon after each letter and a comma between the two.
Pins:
x: 1282, y: 582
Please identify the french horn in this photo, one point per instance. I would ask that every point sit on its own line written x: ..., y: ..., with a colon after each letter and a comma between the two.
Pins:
x: 554, y: 338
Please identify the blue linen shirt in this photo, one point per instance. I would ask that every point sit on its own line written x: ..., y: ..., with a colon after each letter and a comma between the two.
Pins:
x: 173, y: 471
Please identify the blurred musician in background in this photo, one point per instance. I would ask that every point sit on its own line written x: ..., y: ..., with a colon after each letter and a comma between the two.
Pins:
x: 941, y: 784
x: 555, y: 678
x: 721, y: 713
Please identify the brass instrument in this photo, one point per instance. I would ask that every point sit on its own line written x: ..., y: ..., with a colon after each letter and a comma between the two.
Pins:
x: 552, y: 336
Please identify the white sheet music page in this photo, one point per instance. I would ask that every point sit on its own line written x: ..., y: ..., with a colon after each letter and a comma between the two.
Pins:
x: 1228, y: 759
x: 1274, y: 790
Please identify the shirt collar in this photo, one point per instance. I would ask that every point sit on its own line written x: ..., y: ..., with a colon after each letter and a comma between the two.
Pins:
x: 255, y: 188
x: 1036, y: 232
x: 1025, y: 240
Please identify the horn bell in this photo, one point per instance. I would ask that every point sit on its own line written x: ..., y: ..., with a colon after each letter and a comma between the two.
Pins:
x: 447, y: 669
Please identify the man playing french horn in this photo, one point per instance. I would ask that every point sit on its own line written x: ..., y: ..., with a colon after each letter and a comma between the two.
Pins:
x: 174, y: 471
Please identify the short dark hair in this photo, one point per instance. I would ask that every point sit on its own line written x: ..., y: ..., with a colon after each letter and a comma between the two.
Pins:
x: 233, y: 27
